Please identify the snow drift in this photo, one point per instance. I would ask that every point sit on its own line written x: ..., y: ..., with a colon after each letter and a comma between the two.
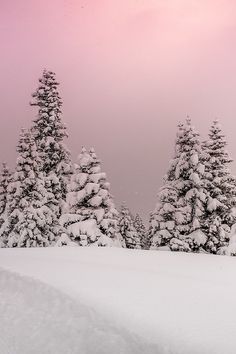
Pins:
x: 153, y: 302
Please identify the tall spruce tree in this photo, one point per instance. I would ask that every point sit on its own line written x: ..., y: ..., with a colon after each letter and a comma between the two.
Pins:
x: 221, y: 185
x: 4, y: 181
x: 178, y: 217
x: 49, y: 133
x: 139, y: 226
x: 91, y: 214
x: 128, y: 230
x: 30, y: 222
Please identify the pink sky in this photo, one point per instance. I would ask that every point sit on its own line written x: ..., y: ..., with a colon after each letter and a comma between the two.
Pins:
x: 129, y: 71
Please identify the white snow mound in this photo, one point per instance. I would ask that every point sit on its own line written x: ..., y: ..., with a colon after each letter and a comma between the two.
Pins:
x: 38, y: 319
x: 149, y: 302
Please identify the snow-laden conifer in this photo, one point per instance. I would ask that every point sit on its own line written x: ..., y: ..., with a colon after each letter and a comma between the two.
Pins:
x: 230, y: 248
x: 140, y: 228
x: 91, y: 216
x: 181, y: 206
x: 128, y: 230
x: 4, y: 181
x: 163, y: 222
x: 221, y: 186
x: 30, y: 222
x: 49, y: 133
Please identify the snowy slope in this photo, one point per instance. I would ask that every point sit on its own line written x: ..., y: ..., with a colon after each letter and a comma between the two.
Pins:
x: 177, y: 302
x: 36, y: 318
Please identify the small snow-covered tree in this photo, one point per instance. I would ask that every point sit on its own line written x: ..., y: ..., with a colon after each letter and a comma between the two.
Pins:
x: 221, y: 186
x: 91, y: 216
x: 128, y: 230
x: 30, y: 222
x: 230, y: 248
x: 180, y: 211
x: 49, y: 133
x: 163, y: 221
x: 4, y: 181
x: 140, y: 228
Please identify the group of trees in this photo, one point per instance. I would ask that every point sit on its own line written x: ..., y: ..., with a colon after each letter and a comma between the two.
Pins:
x: 47, y: 200
x: 196, y: 205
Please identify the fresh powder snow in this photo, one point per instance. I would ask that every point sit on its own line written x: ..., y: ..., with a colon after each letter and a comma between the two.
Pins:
x: 37, y: 318
x: 144, y: 301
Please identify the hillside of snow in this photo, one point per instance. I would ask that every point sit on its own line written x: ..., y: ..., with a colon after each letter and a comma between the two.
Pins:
x: 108, y: 300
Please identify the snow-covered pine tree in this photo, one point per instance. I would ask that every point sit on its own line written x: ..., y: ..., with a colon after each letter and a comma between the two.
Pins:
x: 230, y: 248
x: 139, y: 226
x: 163, y: 223
x: 128, y: 230
x: 49, y: 133
x: 91, y: 216
x: 30, y: 222
x: 177, y: 220
x: 4, y: 181
x: 221, y: 185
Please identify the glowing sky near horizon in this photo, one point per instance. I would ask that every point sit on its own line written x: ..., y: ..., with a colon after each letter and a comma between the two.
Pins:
x: 129, y: 70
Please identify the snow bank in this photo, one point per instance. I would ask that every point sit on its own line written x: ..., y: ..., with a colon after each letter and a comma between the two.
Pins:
x: 37, y: 319
x: 179, y: 303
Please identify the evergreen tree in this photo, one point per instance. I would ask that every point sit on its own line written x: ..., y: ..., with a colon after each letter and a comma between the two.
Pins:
x: 140, y: 228
x: 163, y: 220
x: 4, y: 181
x: 91, y: 214
x: 49, y: 133
x: 29, y: 219
x: 230, y: 248
x: 221, y: 186
x: 177, y: 220
x: 128, y: 230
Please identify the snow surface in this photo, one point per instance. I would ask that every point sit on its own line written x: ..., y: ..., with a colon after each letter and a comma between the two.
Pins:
x: 129, y: 300
x: 35, y: 318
